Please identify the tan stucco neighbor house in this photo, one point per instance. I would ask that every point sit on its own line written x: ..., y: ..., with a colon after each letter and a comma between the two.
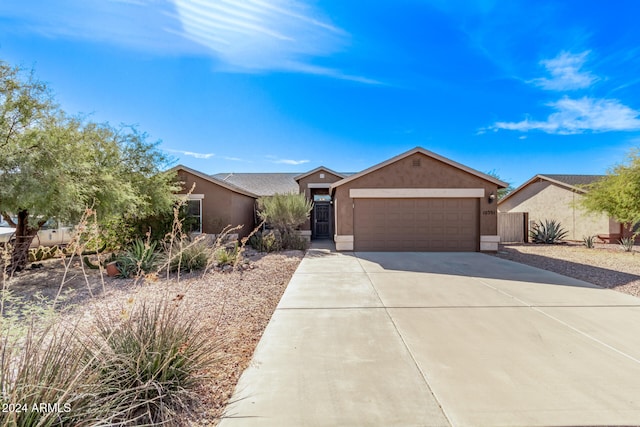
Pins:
x: 416, y: 201
x: 557, y: 197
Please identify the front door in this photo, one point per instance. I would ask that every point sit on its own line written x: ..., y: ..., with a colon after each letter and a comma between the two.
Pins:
x: 321, y: 220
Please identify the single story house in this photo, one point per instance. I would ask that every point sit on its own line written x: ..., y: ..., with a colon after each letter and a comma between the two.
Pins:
x: 416, y: 201
x: 557, y: 197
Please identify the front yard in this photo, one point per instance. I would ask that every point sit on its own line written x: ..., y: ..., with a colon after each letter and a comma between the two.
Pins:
x: 235, y: 305
x: 605, y: 265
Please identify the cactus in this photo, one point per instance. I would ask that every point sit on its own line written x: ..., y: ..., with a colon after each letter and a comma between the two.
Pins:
x: 89, y: 264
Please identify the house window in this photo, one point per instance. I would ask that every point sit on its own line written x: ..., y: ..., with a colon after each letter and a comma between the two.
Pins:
x: 194, y: 215
x: 321, y: 198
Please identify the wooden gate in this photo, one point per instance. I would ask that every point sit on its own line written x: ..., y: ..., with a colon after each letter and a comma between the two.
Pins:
x: 513, y: 227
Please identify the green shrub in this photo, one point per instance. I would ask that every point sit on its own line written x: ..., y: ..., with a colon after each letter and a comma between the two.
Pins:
x: 265, y: 242
x: 627, y: 243
x: 227, y: 256
x: 152, y: 362
x: 188, y: 255
x: 295, y: 242
x: 273, y: 241
x: 589, y: 241
x: 549, y: 232
x: 284, y: 212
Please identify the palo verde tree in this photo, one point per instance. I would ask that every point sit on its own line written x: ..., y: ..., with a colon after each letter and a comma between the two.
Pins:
x: 502, y: 192
x: 55, y: 166
x: 618, y: 193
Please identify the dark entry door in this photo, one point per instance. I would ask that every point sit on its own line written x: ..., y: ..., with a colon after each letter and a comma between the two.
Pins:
x: 322, y: 220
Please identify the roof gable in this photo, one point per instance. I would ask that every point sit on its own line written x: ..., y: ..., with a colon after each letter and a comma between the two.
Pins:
x: 570, y: 182
x: 215, y: 181
x: 319, y: 169
x: 427, y: 153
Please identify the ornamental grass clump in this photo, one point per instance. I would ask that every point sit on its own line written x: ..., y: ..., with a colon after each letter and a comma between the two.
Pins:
x: 547, y: 231
x: 151, y: 362
x: 44, y: 378
x: 189, y: 255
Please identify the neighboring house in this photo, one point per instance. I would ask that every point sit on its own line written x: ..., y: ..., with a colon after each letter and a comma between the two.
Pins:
x: 557, y: 197
x: 417, y: 201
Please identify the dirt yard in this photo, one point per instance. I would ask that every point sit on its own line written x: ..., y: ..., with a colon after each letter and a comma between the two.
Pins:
x: 239, y: 303
x: 605, y: 265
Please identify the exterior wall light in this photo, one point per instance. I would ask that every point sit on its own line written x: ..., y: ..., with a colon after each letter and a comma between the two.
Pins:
x: 492, y: 197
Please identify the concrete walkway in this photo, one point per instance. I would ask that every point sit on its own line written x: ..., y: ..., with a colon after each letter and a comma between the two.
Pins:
x: 435, y: 339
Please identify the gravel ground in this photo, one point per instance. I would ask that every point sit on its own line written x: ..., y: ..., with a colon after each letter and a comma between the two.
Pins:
x: 605, y: 265
x: 237, y: 305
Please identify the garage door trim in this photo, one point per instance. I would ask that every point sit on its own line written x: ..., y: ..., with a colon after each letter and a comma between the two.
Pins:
x: 415, y: 193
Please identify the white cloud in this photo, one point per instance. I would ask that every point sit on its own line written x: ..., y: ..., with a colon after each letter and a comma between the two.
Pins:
x: 573, y: 116
x: 147, y: 25
x: 290, y: 162
x: 257, y: 35
x: 244, y: 35
x: 192, y: 154
x: 566, y: 73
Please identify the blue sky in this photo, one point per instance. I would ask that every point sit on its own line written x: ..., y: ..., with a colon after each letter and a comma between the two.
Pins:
x: 518, y: 87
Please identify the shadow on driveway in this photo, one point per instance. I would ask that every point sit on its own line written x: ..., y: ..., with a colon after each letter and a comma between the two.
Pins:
x: 607, y: 278
x: 473, y: 264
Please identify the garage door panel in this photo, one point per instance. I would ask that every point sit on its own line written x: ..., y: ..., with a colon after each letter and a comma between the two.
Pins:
x: 416, y: 224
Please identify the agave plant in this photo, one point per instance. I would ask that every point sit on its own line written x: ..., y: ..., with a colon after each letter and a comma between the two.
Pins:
x: 140, y: 258
x: 589, y: 241
x: 547, y: 231
x: 626, y: 243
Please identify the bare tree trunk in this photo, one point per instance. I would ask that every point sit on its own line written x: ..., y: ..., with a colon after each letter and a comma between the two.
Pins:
x: 24, y: 236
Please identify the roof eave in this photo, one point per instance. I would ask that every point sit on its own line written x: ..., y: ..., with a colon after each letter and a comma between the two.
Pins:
x: 319, y: 168
x: 216, y: 181
x: 546, y: 178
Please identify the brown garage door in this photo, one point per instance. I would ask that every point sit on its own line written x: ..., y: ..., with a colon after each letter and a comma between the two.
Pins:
x: 416, y: 225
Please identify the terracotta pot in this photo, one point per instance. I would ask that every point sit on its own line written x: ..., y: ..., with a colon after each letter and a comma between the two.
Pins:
x: 112, y: 269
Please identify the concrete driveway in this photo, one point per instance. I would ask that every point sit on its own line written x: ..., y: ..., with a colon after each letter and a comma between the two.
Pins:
x: 435, y: 339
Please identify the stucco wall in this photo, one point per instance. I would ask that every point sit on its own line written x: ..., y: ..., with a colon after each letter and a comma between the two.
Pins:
x: 329, y: 178
x: 314, y: 178
x: 545, y: 200
x: 220, y: 206
x: 431, y: 173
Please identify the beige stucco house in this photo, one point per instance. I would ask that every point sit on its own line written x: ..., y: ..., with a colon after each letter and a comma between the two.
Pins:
x: 557, y: 197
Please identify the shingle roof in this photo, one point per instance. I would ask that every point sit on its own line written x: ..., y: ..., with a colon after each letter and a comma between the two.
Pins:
x: 211, y: 178
x: 262, y: 184
x: 574, y: 180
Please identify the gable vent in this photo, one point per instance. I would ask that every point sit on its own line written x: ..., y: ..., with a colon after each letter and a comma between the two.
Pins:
x: 416, y: 163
